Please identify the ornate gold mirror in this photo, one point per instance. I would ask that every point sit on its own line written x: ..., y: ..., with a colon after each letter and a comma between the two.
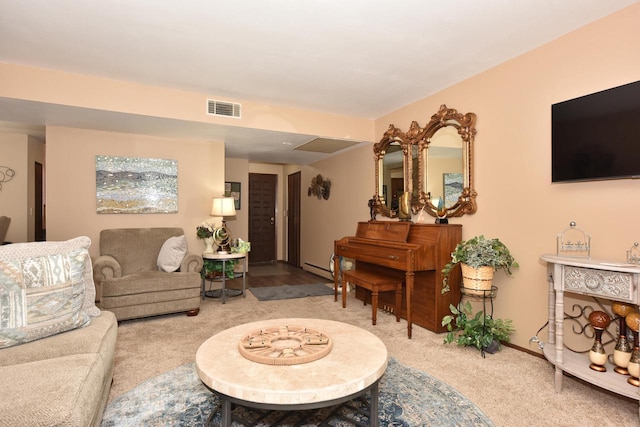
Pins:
x: 437, y: 169
x: 391, y: 173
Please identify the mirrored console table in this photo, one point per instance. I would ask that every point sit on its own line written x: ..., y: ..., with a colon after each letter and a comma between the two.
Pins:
x: 610, y: 280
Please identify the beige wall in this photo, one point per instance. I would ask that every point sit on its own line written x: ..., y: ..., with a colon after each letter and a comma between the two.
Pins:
x: 352, y: 177
x: 75, y: 90
x: 14, y: 193
x: 71, y: 182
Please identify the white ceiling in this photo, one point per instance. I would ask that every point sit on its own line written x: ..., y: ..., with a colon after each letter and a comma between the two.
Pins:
x: 361, y: 58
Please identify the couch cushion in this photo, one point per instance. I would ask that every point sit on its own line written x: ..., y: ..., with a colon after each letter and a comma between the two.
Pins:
x: 19, y: 251
x: 99, y: 336
x: 172, y: 253
x: 150, y: 282
x: 41, y: 296
x: 63, y: 391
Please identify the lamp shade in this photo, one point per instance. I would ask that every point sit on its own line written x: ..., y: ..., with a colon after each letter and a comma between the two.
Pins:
x: 223, y: 206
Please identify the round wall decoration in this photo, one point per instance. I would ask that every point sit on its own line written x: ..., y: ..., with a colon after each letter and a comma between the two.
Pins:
x: 285, y: 345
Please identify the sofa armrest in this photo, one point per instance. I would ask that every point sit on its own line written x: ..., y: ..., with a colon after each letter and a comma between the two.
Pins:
x: 191, y: 263
x: 106, y: 267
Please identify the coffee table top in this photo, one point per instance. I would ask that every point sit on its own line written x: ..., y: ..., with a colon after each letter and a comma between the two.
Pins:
x: 357, y: 360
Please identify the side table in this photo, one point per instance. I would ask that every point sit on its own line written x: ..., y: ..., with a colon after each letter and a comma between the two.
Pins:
x: 215, y: 256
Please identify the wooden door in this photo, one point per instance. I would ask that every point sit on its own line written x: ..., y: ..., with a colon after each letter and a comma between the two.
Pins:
x: 262, y: 217
x: 294, y: 188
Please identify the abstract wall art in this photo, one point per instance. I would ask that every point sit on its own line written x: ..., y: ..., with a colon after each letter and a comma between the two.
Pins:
x: 136, y: 185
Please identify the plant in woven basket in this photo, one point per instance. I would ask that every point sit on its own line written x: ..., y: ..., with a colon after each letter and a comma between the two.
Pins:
x: 480, y: 330
x: 479, y: 252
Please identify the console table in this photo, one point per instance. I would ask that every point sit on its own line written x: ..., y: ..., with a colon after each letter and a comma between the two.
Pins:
x: 615, y: 281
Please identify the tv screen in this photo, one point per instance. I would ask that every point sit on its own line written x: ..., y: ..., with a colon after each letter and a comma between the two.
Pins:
x: 597, y: 136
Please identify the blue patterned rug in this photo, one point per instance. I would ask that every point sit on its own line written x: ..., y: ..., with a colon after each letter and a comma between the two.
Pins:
x: 408, y: 397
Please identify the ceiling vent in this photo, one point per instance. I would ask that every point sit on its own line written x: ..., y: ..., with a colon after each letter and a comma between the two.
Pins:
x: 223, y: 108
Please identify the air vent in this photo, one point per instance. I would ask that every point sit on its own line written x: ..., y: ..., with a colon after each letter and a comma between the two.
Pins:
x: 223, y: 108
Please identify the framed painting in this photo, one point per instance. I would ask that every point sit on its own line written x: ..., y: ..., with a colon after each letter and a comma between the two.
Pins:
x: 453, y: 184
x: 136, y: 185
x: 232, y: 189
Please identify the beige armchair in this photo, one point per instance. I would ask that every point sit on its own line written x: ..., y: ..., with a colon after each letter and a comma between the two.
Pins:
x: 129, y: 282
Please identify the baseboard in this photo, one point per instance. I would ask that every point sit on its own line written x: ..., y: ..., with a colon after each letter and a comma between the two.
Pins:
x: 318, y: 271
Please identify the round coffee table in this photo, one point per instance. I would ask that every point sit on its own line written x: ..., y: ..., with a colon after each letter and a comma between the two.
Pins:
x: 355, y: 364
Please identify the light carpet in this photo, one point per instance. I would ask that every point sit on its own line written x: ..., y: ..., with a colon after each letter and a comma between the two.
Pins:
x: 511, y: 387
x: 273, y: 293
x: 407, y: 397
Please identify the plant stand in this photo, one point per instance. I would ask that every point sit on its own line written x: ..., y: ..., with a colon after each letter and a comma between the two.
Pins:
x: 484, y: 295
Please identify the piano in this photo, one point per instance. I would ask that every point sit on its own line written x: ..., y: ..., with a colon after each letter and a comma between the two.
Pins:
x: 415, y: 252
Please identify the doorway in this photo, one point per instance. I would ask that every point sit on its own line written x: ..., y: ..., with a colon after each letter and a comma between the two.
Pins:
x: 262, y: 217
x: 39, y: 212
x: 294, y: 186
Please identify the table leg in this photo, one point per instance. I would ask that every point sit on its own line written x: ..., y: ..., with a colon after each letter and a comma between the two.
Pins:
x: 225, y: 420
x: 224, y: 282
x: 373, y: 406
x: 244, y: 278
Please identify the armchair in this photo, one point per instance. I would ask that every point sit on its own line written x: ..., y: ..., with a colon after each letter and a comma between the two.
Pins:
x: 129, y: 282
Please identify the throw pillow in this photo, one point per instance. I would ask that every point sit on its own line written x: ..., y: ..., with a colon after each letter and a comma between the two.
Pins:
x: 41, y: 296
x: 172, y: 253
x: 19, y: 251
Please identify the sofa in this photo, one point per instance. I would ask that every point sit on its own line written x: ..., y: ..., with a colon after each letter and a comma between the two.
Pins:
x: 144, y: 272
x: 56, y: 347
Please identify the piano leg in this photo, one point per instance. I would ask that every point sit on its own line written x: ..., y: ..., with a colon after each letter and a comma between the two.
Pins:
x: 336, y: 277
x: 409, y: 276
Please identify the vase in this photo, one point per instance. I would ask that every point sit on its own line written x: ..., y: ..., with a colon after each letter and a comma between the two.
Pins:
x: 208, y: 241
x: 477, y: 281
x: 633, y: 322
x: 597, y: 356
x: 622, y: 351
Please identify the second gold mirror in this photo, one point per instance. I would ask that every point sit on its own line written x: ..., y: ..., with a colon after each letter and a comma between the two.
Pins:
x: 437, y: 169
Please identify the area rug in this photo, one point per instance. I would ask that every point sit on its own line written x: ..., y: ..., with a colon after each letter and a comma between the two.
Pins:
x: 272, y: 293
x: 407, y: 397
x: 266, y: 270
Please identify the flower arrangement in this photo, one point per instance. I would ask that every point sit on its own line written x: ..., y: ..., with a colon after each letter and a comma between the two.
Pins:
x: 205, y: 230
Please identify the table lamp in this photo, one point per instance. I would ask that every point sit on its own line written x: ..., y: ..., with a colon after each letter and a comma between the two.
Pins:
x: 222, y: 207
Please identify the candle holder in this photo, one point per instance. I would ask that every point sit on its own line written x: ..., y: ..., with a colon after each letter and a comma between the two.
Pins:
x: 599, y: 321
x: 622, y: 351
x: 633, y: 322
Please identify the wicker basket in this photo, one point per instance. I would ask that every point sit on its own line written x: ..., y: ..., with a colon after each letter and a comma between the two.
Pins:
x: 477, y: 280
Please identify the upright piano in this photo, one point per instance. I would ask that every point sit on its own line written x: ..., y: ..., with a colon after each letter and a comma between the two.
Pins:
x: 416, y: 252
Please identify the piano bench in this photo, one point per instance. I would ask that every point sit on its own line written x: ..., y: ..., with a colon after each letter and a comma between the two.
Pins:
x: 375, y: 283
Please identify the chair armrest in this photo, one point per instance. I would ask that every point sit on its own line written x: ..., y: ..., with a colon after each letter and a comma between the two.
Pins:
x: 106, y: 267
x: 191, y: 263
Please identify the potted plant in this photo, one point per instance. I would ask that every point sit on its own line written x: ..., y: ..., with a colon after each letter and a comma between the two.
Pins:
x: 480, y: 330
x: 480, y: 258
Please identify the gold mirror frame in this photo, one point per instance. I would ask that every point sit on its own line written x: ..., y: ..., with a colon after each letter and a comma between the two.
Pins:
x: 420, y: 138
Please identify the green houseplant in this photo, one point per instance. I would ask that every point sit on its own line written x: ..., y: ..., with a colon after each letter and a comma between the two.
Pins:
x: 479, y: 252
x: 480, y: 330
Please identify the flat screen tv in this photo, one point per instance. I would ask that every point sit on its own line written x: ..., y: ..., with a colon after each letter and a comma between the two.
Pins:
x: 597, y: 136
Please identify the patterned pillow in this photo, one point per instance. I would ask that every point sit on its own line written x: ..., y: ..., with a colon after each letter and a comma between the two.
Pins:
x: 19, y: 251
x: 41, y: 296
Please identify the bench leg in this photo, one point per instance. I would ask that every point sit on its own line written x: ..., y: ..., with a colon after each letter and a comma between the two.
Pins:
x: 374, y: 306
x: 344, y: 294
